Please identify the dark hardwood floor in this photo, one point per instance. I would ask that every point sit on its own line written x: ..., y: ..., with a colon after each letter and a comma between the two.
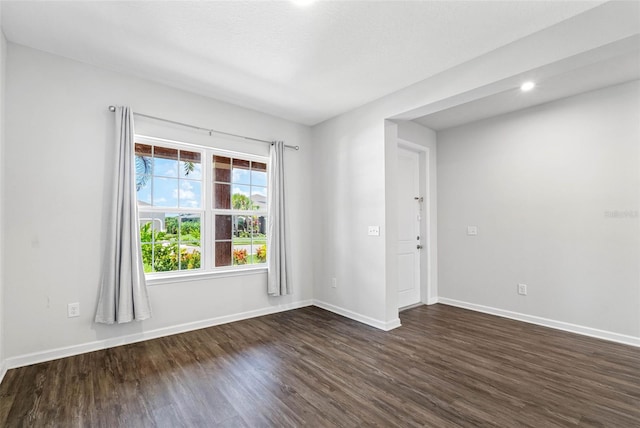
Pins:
x: 444, y: 367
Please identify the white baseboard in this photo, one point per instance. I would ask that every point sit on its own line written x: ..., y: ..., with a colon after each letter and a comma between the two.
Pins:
x: 559, y: 325
x: 54, y: 354
x: 386, y: 326
x: 432, y: 301
x: 406, y: 308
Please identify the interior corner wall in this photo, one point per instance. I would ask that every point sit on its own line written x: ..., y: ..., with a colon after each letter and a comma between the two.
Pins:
x: 57, y: 166
x: 555, y: 193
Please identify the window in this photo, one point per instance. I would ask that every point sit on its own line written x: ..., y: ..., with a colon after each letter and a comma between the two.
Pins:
x: 240, y: 208
x: 200, y: 209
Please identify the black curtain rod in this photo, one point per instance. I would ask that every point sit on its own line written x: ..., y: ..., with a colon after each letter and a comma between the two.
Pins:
x: 199, y: 128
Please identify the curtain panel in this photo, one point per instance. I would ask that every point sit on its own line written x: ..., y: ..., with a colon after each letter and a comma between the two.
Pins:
x: 123, y: 291
x: 278, y: 278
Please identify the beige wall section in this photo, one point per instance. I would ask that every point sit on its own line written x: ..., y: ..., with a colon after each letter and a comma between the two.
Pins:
x: 57, y: 138
x: 542, y: 185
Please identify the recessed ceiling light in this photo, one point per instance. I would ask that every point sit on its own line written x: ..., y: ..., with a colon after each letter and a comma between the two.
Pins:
x: 527, y: 86
x: 302, y: 3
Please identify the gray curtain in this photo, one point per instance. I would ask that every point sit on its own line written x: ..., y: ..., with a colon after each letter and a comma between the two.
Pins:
x: 123, y: 291
x: 278, y: 281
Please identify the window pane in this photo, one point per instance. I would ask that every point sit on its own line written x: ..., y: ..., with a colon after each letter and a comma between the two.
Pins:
x: 143, y: 187
x: 190, y: 165
x: 241, y: 229
x: 165, y: 192
x: 240, y: 199
x: 147, y: 257
x: 143, y: 150
x: 144, y: 169
x: 260, y: 254
x: 259, y: 198
x: 189, y: 228
x: 241, y: 254
x: 222, y: 169
x: 222, y: 196
x: 144, y: 166
x: 223, y: 253
x: 190, y: 194
x: 165, y: 256
x: 258, y: 178
x: 241, y: 172
x: 170, y: 226
x: 223, y: 227
x: 241, y: 163
x: 189, y: 237
x: 259, y: 228
x: 259, y: 166
x: 152, y: 226
x: 259, y: 239
x: 170, y: 241
x: 189, y: 255
x: 165, y: 162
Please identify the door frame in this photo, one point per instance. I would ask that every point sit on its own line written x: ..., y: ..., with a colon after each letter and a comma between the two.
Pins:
x: 428, y: 262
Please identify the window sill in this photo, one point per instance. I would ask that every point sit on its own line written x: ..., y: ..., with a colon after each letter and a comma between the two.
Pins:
x: 172, y: 279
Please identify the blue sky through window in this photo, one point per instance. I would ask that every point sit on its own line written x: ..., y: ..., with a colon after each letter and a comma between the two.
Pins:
x: 172, y: 185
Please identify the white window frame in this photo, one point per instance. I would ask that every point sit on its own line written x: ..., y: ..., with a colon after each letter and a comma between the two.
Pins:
x: 207, y: 215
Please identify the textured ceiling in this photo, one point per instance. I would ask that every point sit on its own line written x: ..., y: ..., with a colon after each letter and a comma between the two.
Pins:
x: 303, y: 64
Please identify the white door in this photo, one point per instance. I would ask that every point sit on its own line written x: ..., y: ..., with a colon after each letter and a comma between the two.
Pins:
x: 408, y: 228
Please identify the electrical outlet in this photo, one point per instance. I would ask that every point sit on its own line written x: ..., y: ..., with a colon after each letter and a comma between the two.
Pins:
x: 73, y: 310
x: 334, y: 283
x: 373, y: 231
x: 472, y: 230
x: 522, y: 289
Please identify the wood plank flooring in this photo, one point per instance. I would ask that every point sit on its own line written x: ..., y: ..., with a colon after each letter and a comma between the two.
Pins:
x: 444, y: 367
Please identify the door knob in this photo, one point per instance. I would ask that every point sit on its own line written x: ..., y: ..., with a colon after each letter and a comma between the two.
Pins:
x: 419, y: 247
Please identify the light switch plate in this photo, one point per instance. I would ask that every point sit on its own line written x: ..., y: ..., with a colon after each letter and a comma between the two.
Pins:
x: 472, y: 230
x: 374, y: 231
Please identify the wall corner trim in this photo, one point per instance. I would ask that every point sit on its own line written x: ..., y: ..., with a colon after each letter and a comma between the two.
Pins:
x: 545, y: 322
x: 386, y: 326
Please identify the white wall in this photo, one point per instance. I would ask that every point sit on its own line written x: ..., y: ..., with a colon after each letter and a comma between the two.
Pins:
x: 539, y: 183
x: 349, y: 182
x: 351, y: 159
x: 3, y: 52
x: 57, y: 167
